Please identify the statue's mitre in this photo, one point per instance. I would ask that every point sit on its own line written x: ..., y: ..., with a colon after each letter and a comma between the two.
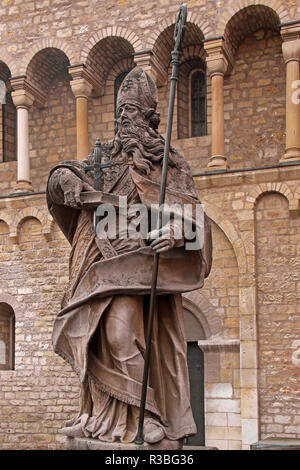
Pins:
x: 138, y: 89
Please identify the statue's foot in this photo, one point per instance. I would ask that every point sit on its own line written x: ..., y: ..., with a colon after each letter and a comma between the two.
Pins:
x: 153, y: 432
x: 73, y: 431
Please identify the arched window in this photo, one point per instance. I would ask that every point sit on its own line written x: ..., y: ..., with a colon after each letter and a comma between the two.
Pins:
x: 8, y: 118
x: 118, y: 82
x: 192, y: 99
x: 198, y: 104
x: 7, y: 337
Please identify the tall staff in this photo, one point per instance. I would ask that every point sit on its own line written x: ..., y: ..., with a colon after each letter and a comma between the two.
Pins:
x: 176, y: 55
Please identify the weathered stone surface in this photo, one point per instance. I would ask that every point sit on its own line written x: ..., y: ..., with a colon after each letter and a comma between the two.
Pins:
x: 94, y: 444
x: 252, y: 249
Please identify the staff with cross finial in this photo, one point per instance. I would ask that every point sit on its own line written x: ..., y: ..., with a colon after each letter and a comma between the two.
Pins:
x: 176, y: 55
x: 97, y: 167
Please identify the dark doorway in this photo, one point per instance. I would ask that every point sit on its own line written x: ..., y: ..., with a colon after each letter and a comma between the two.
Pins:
x: 195, y: 359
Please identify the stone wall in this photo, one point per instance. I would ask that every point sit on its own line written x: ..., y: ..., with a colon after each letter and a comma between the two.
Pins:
x: 41, y: 393
x: 248, y: 307
x: 255, y: 102
x: 52, y: 131
x: 278, y: 279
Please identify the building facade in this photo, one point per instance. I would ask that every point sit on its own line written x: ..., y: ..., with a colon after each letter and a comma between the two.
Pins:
x: 237, y: 122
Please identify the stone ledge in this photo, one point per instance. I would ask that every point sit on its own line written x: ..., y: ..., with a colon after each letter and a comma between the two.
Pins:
x: 82, y: 443
x: 219, y: 344
x: 277, y: 444
x: 247, y: 177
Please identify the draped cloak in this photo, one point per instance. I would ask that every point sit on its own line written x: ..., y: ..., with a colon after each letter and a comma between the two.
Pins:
x: 110, y: 287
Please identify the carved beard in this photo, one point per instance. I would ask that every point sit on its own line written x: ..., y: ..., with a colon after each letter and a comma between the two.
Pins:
x: 139, y: 141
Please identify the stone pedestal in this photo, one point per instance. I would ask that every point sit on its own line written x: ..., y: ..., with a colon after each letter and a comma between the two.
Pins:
x: 84, y: 443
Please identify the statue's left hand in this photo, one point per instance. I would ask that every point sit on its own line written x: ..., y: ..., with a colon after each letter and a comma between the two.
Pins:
x: 72, y: 186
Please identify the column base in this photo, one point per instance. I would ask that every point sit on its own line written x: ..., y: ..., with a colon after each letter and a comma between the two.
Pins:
x: 23, y: 186
x: 291, y: 154
x: 217, y: 162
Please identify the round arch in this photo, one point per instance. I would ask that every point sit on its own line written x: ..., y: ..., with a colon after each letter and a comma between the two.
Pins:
x: 162, y: 42
x: 49, y: 43
x: 30, y: 213
x: 204, y: 312
x: 16, y: 306
x: 234, y: 9
x: 45, y: 65
x: 170, y: 20
x: 108, y: 32
x: 105, y: 54
x: 10, y: 61
x: 217, y: 216
x: 7, y: 220
x: 280, y: 188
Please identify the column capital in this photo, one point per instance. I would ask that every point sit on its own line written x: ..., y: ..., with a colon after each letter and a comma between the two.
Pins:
x: 22, y: 86
x: 150, y: 64
x: 22, y: 99
x: 83, y: 82
x: 219, y: 60
x: 290, y: 34
x: 81, y: 88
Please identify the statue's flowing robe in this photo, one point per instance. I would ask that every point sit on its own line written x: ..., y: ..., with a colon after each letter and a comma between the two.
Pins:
x: 101, y: 328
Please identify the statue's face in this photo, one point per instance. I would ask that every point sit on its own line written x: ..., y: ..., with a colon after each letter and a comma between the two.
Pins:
x: 128, y: 114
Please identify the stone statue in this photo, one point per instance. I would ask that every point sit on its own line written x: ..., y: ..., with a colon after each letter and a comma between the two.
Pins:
x: 100, y: 330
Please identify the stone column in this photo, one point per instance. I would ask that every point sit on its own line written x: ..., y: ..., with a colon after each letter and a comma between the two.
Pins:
x: 217, y: 63
x: 291, y: 54
x: 82, y: 91
x: 23, y: 100
x: 83, y: 85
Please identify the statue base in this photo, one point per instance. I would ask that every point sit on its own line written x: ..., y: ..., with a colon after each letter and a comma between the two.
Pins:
x: 85, y: 443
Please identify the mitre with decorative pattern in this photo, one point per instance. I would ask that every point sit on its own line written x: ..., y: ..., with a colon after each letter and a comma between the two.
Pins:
x: 139, y: 89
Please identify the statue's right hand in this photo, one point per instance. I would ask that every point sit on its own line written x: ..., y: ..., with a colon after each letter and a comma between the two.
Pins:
x: 72, y: 186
